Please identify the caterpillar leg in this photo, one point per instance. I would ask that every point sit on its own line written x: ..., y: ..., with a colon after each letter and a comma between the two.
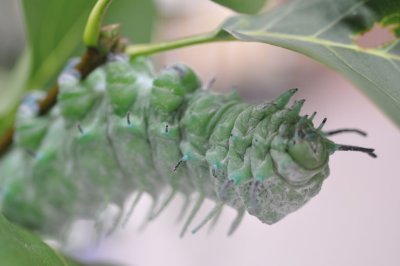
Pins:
x: 132, y: 208
x: 148, y: 215
x: 193, y: 213
x: 167, y: 200
x: 116, y: 223
x: 184, y: 209
x: 99, y: 224
x: 235, y: 224
x: 217, y: 209
x: 214, y: 220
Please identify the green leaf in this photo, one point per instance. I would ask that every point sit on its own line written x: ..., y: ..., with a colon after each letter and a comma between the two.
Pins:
x: 12, y: 86
x: 137, y: 18
x: 55, y: 28
x: 19, y: 248
x: 13, y: 82
x: 243, y: 6
x: 54, y: 34
x: 325, y: 30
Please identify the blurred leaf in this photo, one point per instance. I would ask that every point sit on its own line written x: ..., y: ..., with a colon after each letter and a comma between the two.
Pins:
x: 243, y: 6
x: 54, y: 34
x: 55, y: 28
x: 137, y: 18
x: 11, y: 90
x: 19, y: 248
x: 325, y: 30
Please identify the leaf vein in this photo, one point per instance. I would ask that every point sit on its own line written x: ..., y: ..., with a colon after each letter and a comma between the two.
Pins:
x: 391, y: 46
x: 280, y: 17
x: 323, y: 42
x: 394, y: 64
x: 338, y: 19
x: 382, y: 89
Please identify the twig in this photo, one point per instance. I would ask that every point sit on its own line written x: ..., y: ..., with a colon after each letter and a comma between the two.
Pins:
x: 110, y: 41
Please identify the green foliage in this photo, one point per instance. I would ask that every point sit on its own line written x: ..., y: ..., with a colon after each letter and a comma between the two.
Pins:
x: 19, y: 248
x: 94, y: 23
x: 325, y: 30
x: 54, y: 33
x: 243, y: 6
x: 55, y: 27
x: 11, y: 89
x: 54, y: 30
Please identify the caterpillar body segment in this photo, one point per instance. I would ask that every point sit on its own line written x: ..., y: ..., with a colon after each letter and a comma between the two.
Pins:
x: 125, y: 130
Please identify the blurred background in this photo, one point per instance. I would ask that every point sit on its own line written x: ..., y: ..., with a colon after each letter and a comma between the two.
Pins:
x: 353, y: 221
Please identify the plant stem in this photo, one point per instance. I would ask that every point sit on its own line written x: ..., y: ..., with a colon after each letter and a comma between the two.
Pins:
x: 94, y: 57
x: 90, y: 60
x: 147, y: 49
x: 93, y: 25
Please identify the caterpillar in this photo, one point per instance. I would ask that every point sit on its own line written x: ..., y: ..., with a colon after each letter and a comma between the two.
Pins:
x: 125, y: 130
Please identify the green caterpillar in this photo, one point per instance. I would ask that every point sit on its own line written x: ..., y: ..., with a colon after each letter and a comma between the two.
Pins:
x: 124, y: 130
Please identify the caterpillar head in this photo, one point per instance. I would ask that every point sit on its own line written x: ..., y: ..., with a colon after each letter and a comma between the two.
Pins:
x: 300, y: 151
x: 295, y: 166
x: 308, y: 147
